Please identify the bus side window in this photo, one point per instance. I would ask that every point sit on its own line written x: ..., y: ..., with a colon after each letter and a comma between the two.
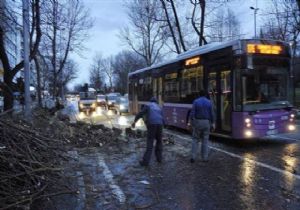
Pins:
x: 191, y: 83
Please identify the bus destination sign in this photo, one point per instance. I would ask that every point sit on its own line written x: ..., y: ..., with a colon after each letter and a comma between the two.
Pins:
x: 264, y: 49
x: 192, y: 61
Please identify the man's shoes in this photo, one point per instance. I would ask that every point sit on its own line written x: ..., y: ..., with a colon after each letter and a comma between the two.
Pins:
x: 142, y: 163
x: 192, y: 160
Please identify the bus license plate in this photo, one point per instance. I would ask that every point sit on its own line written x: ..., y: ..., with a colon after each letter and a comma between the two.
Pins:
x: 272, y: 132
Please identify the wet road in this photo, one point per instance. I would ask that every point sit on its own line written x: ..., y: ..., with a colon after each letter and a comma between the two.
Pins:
x: 256, y: 174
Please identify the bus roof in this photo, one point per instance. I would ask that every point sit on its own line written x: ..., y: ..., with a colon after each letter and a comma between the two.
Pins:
x: 197, y: 51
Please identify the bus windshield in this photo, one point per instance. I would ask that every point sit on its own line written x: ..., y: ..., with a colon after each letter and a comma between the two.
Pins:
x: 265, y: 88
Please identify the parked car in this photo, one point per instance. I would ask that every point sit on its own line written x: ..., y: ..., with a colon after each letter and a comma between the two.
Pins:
x: 111, y: 100
x: 1, y: 104
x: 122, y: 105
x: 101, y: 101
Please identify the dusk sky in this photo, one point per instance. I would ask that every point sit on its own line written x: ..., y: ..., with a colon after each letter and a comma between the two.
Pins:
x: 110, y: 15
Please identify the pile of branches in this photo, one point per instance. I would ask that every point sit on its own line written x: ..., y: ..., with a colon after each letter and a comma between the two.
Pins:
x: 30, y: 165
x: 80, y: 134
x: 32, y: 155
x: 85, y: 135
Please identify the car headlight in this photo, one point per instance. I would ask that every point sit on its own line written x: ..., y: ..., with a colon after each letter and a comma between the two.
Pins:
x: 93, y: 105
x: 109, y: 103
x: 81, y: 105
x: 122, y: 106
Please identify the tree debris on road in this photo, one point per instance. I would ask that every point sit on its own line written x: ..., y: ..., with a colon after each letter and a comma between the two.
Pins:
x: 33, y: 155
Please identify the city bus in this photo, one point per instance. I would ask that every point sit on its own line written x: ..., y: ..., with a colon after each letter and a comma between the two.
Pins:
x: 247, y: 80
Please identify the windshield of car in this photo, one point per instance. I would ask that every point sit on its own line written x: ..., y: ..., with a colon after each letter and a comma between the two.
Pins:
x: 111, y: 98
x: 265, y: 88
x: 101, y: 97
x: 123, y: 100
x: 87, y: 95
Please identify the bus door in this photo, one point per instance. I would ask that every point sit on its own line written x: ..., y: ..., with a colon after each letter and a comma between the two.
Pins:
x: 225, y: 99
x: 212, y: 90
x: 219, y: 88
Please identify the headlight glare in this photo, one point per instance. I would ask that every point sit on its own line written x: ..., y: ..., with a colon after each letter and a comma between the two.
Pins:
x: 247, y: 120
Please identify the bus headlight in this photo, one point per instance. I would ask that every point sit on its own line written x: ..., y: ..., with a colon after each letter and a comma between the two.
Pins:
x: 247, y: 120
x: 292, y: 115
x: 291, y: 127
x: 248, y: 133
x: 248, y: 125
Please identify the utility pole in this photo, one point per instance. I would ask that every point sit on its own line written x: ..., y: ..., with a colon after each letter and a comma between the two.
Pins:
x: 255, y: 9
x: 26, y: 58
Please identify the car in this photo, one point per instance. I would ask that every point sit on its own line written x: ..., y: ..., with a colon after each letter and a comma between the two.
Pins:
x: 101, y: 101
x: 87, y: 102
x: 111, y: 100
x: 115, y: 94
x: 122, y: 105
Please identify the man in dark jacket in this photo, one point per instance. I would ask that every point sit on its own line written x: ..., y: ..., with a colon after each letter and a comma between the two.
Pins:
x: 202, y: 119
x: 153, y: 118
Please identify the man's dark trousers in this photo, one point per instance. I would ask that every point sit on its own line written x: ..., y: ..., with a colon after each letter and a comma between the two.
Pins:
x: 153, y: 132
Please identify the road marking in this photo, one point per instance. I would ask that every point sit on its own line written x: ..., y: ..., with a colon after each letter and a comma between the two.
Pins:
x: 272, y: 168
x: 109, y: 178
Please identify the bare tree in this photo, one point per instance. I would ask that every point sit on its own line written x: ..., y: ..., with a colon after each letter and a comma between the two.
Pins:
x: 96, y: 72
x: 199, y: 27
x: 224, y: 26
x: 147, y: 37
x: 10, y: 70
x: 283, y: 22
x: 108, y: 70
x: 69, y: 73
x: 124, y: 63
x: 102, y: 69
x: 65, y: 25
x: 173, y: 22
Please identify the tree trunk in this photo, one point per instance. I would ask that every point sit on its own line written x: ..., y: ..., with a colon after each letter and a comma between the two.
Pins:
x: 170, y: 26
x: 8, y: 92
x: 178, y: 26
x: 202, y: 5
x: 38, y: 77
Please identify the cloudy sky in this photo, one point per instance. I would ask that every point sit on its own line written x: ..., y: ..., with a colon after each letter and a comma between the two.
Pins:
x: 110, y: 15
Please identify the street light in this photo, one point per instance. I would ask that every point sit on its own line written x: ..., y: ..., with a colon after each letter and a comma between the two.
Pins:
x: 255, y: 12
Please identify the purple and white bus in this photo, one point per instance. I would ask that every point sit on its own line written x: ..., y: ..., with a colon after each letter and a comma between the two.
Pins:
x: 248, y: 81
